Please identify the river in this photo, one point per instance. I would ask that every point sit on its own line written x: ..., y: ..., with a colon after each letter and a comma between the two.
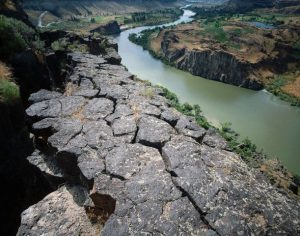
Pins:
x: 273, y: 125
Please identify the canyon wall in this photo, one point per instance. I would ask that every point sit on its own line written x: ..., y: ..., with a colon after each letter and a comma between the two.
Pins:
x: 131, y: 164
x: 211, y: 64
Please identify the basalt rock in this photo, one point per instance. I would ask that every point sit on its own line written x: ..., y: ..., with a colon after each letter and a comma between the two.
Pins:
x: 211, y: 64
x: 133, y: 165
x: 108, y: 29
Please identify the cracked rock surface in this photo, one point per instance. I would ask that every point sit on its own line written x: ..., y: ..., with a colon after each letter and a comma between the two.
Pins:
x: 132, y: 165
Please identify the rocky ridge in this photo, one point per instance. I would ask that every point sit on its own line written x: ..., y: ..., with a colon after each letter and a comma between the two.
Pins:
x: 130, y: 164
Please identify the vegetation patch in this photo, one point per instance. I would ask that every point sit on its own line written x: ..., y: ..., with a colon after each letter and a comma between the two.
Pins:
x: 276, y: 87
x: 9, y: 91
x: 135, y: 19
x: 16, y: 36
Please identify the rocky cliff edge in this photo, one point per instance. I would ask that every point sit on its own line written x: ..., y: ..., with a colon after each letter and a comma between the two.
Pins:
x: 125, y: 163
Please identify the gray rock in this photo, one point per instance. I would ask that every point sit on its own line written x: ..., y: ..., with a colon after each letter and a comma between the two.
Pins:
x: 124, y: 125
x: 44, y: 109
x: 188, y: 127
x: 97, y: 134
x: 47, y: 164
x: 45, y: 126
x: 59, y: 213
x: 153, y: 132
x: 114, y: 92
x: 71, y: 105
x: 98, y: 108
x: 86, y: 84
x: 210, y: 175
x: 143, y: 176
x: 90, y: 164
x: 128, y: 160
x: 112, y: 56
x: 171, y: 116
x: 213, y: 139
x: 43, y: 95
x: 67, y: 130
x: 87, y: 93
x: 121, y: 110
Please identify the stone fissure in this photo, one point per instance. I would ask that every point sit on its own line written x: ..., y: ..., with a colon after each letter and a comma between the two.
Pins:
x: 201, y: 213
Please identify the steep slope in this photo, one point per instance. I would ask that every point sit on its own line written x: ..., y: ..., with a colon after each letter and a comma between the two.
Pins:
x: 132, y: 165
x: 12, y: 8
x: 67, y: 9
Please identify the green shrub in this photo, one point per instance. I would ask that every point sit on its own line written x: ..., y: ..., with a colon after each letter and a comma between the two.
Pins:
x: 38, y: 44
x: 9, y: 91
x: 60, y: 44
x: 15, y: 36
x: 216, y: 31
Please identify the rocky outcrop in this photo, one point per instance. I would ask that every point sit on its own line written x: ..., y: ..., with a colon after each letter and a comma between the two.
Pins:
x: 133, y: 165
x: 211, y: 64
x: 108, y: 29
x: 220, y: 66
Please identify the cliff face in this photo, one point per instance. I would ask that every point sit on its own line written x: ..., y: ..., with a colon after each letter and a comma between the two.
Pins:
x: 211, y: 64
x: 131, y: 164
x: 220, y: 66
x: 108, y: 29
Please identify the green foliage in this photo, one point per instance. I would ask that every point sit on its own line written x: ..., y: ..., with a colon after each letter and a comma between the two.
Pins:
x: 172, y: 97
x: 9, y: 91
x: 200, y: 119
x: 38, y: 44
x: 11, y: 40
x: 16, y: 36
x: 187, y: 109
x: 275, y: 88
x: 143, y: 39
x: 59, y: 45
x: 245, y: 148
x: 216, y: 30
x: 276, y: 84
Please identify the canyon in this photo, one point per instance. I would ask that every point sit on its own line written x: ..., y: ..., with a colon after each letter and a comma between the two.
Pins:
x: 132, y: 164
x: 232, y: 50
x: 88, y: 148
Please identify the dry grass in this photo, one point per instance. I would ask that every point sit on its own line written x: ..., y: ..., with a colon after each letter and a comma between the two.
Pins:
x: 148, y: 92
x: 136, y: 112
x: 78, y: 115
x: 9, y: 91
x: 293, y: 88
x: 5, y: 72
x: 70, y: 89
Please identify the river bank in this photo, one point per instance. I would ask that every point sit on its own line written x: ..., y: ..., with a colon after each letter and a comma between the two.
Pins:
x: 271, y: 124
x: 230, y: 50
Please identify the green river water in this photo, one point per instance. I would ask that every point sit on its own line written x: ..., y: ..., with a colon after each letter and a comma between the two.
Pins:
x: 273, y: 125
